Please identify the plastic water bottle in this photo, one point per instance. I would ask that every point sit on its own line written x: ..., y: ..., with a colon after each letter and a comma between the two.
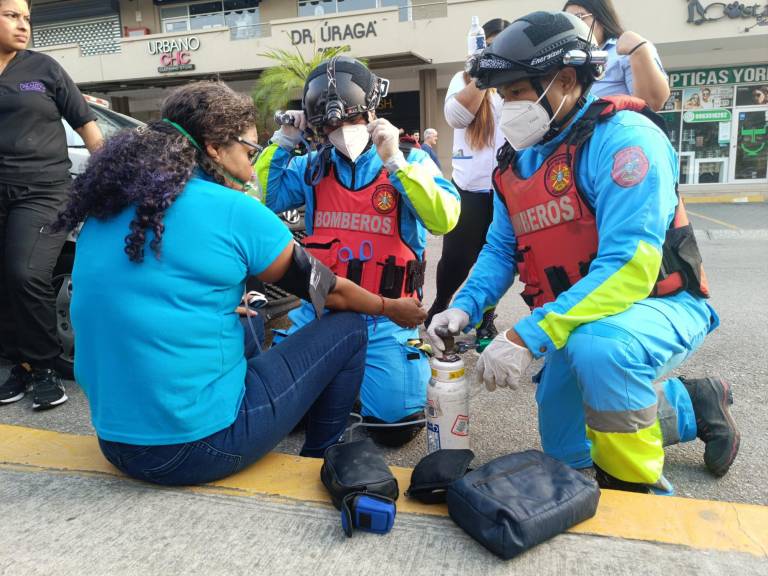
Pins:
x: 476, y: 37
x: 447, y: 402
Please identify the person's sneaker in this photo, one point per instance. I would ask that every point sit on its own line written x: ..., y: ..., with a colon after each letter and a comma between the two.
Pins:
x: 711, y: 398
x: 662, y: 488
x: 47, y: 389
x: 486, y: 331
x: 17, y: 384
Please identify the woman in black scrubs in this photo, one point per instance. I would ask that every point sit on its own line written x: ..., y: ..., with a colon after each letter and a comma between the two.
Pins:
x: 35, y: 94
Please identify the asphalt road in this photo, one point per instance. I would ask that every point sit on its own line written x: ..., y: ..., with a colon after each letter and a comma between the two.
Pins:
x: 734, y: 242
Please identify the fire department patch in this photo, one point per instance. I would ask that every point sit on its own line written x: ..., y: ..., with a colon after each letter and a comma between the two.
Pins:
x: 629, y: 166
x: 558, y: 176
x: 384, y: 199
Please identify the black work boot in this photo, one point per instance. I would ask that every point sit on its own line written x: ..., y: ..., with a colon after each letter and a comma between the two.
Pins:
x: 662, y: 488
x: 486, y: 331
x: 47, y: 389
x: 711, y: 398
x: 17, y: 384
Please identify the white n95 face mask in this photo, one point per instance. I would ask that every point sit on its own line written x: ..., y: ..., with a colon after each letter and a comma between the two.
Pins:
x: 525, y: 123
x: 350, y: 139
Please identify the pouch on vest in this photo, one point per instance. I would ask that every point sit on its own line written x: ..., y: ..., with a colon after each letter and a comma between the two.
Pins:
x: 392, y: 277
x: 435, y: 472
x: 324, y: 248
x: 415, y: 271
x: 517, y: 501
x: 681, y: 257
x: 356, y: 467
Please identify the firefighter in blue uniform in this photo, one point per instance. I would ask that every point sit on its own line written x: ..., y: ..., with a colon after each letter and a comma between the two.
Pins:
x: 587, y: 213
x: 369, y: 205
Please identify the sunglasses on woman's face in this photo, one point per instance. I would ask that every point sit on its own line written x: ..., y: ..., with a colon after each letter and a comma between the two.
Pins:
x: 582, y: 15
x: 254, y: 149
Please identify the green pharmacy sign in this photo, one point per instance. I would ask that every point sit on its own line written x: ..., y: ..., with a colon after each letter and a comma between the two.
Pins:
x: 712, y: 115
x: 753, y: 140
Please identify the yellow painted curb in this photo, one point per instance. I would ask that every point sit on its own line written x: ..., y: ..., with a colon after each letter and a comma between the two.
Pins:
x: 724, y: 198
x: 701, y: 524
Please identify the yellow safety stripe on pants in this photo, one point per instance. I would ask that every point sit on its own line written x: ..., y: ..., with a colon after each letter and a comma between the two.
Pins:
x: 629, y: 456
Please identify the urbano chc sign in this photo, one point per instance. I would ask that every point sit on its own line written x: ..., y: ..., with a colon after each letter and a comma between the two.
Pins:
x: 175, y: 53
x: 334, y: 33
x: 699, y: 13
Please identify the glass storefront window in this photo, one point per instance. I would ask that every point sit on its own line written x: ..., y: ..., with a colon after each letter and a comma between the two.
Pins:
x: 710, y: 144
x: 176, y: 25
x: 175, y: 12
x: 204, y: 8
x: 243, y: 23
x: 720, y: 131
x: 241, y: 16
x: 206, y: 21
x: 321, y: 7
x: 672, y: 120
x: 751, y: 145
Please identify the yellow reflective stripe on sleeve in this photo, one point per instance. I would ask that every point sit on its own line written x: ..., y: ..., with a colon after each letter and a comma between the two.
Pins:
x: 630, y: 456
x: 629, y: 284
x: 262, y: 169
x: 438, y: 209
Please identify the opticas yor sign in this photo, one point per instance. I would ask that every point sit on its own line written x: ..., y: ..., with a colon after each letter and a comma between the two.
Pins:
x: 715, y: 76
x: 175, y: 54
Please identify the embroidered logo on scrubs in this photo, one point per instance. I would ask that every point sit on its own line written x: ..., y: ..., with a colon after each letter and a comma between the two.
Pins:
x: 558, y: 177
x: 383, y: 198
x: 629, y: 166
x: 33, y: 86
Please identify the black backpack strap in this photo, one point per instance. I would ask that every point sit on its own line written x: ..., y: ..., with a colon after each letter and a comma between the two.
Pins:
x: 405, y: 148
x: 505, y: 156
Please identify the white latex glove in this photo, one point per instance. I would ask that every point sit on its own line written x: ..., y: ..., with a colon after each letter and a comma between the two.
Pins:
x: 290, y: 135
x: 502, y: 363
x: 386, y: 138
x: 454, y: 320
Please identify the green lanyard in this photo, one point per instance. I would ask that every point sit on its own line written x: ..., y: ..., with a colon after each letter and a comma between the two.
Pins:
x: 194, y: 143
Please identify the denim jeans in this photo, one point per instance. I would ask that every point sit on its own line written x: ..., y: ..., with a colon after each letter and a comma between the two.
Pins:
x: 317, y: 372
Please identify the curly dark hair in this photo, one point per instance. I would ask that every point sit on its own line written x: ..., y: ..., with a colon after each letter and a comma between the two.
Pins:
x: 148, y: 167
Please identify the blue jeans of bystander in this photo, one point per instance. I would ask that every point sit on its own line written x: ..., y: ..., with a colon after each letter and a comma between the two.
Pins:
x: 317, y: 372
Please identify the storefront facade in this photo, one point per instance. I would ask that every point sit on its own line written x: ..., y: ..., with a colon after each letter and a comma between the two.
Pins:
x: 133, y: 51
x: 716, y: 120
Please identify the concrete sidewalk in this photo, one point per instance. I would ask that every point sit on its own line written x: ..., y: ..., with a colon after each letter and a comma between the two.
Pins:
x: 67, y: 511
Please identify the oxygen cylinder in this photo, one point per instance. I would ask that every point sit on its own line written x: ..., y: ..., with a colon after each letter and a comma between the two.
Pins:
x: 447, y: 404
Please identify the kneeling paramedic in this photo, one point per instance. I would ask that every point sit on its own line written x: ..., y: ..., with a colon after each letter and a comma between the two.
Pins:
x: 369, y: 205
x: 587, y: 213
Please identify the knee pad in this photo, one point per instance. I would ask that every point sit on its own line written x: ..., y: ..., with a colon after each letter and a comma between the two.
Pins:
x: 397, y: 435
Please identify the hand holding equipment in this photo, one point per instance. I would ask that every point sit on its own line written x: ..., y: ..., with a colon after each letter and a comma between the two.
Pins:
x: 452, y: 319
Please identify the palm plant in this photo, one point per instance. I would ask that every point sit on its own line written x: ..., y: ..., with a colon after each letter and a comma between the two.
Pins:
x: 283, y: 82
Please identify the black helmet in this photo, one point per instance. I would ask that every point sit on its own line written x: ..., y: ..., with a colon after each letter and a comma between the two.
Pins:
x: 535, y: 45
x: 339, y: 89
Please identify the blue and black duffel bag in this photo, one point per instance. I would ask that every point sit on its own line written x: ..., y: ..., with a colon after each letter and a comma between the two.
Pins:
x: 517, y: 501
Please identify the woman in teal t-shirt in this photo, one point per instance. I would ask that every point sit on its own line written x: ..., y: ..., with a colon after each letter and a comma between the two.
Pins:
x: 178, y: 393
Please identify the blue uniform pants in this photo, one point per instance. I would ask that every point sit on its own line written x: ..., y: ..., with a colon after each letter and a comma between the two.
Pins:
x: 601, y: 399
x: 396, y: 374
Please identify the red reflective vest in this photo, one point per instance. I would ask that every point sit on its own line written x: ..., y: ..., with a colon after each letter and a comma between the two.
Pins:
x: 555, y: 226
x: 345, y: 219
